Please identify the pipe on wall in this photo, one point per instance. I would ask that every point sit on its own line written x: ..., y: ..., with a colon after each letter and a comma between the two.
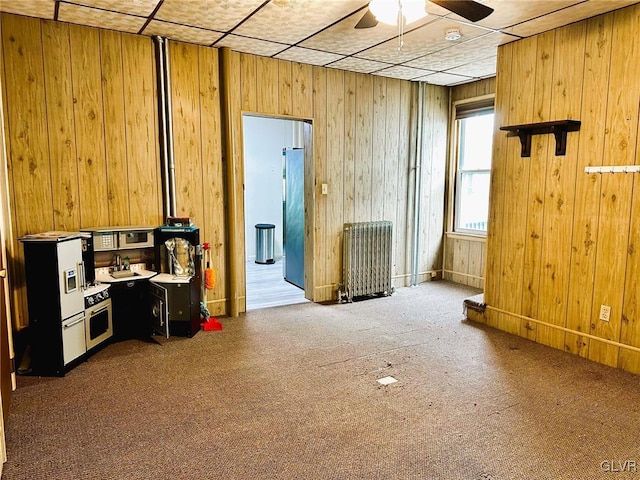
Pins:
x: 418, y: 187
x: 166, y: 126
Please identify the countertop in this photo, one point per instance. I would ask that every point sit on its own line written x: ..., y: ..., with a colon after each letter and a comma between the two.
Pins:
x: 102, y: 277
x: 168, y: 278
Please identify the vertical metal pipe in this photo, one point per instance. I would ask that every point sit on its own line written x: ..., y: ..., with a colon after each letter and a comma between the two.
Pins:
x: 418, y: 186
x: 171, y: 157
x: 162, y: 120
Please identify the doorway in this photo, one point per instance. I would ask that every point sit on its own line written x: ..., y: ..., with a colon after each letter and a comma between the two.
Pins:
x: 273, y: 177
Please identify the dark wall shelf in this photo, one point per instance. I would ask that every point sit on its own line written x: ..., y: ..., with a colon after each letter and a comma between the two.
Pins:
x: 559, y: 128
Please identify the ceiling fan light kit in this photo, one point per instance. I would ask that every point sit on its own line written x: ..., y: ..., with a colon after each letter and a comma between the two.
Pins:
x: 395, y: 12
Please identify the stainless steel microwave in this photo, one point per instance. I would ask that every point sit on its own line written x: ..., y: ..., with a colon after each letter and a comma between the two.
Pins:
x: 122, y: 238
x: 135, y: 239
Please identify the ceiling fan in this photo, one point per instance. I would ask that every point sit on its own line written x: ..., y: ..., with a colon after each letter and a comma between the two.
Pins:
x: 472, y: 11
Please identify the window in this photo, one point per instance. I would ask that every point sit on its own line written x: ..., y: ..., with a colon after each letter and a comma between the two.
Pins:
x: 473, y: 146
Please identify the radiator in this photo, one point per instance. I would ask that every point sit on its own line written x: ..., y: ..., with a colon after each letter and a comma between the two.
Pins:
x: 366, y: 259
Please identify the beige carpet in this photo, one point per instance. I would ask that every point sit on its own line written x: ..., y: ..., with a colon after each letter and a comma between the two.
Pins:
x: 292, y: 393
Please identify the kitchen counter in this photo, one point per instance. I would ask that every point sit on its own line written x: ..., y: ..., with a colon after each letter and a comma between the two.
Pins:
x: 105, y: 277
x: 168, y: 278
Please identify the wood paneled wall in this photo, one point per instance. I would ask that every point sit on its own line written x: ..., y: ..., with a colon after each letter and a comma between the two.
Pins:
x: 362, y: 134
x: 561, y: 242
x: 465, y: 256
x: 197, y: 149
x: 81, y: 131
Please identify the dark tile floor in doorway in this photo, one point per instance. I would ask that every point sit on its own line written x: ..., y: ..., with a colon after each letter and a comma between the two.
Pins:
x: 266, y: 286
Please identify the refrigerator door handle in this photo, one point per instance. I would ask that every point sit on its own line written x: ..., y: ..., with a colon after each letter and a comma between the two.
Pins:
x: 69, y: 325
x: 83, y: 278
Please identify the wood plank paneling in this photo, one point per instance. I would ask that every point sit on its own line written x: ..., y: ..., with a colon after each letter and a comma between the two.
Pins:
x: 587, y: 197
x: 560, y: 187
x: 267, y: 95
x: 185, y: 90
x: 349, y: 168
x: 62, y: 139
x: 361, y: 137
x: 617, y: 190
x: 434, y: 179
x: 378, y: 156
x: 88, y: 108
x: 284, y: 88
x: 143, y: 157
x: 248, y: 83
x: 303, y: 84
x: 335, y: 198
x: 515, y: 188
x: 363, y: 147
x: 213, y: 226
x: 81, y: 117
x: 115, y: 127
x: 589, y: 228
x: 630, y: 328
x: 321, y: 238
x: 537, y: 174
x: 27, y: 136
x: 498, y: 178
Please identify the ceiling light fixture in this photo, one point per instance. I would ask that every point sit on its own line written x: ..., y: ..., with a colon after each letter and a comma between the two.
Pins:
x: 452, y: 34
x: 398, y: 12
x: 392, y: 11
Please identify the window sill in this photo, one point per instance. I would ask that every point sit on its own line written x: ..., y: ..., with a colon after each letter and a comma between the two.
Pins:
x: 473, y: 237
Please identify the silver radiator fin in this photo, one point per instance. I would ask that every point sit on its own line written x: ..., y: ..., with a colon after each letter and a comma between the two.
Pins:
x: 366, y: 259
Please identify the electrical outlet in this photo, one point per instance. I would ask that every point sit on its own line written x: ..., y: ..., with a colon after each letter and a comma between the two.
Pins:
x: 605, y: 313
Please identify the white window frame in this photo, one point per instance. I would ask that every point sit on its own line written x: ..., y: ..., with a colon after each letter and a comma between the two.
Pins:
x: 468, y: 105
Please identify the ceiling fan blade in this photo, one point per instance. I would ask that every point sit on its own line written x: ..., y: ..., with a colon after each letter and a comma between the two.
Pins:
x: 368, y: 20
x: 472, y: 11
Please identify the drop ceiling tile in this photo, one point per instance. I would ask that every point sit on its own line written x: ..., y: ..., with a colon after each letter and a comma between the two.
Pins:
x: 402, y: 72
x: 342, y: 38
x: 485, y: 67
x: 308, y: 56
x: 143, y: 8
x: 512, y: 12
x: 360, y: 65
x: 221, y: 15
x: 99, y: 18
x: 182, y: 33
x: 566, y: 16
x: 251, y: 45
x: 461, y: 53
x: 420, y: 41
x: 30, y: 8
x: 445, y: 79
x: 290, y: 21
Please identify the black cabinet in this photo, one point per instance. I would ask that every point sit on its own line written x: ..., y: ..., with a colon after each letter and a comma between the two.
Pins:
x: 130, y: 303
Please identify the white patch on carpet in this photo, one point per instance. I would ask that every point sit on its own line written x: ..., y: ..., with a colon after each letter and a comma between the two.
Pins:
x: 386, y: 380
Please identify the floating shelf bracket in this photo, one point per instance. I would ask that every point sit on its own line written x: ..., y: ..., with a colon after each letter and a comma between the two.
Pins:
x: 559, y: 128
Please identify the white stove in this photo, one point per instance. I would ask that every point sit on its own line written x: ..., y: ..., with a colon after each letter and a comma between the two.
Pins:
x: 95, y: 294
x: 98, y: 321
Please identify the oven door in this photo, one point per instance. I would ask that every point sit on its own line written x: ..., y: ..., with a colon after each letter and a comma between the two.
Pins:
x: 159, y: 310
x: 99, y: 325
